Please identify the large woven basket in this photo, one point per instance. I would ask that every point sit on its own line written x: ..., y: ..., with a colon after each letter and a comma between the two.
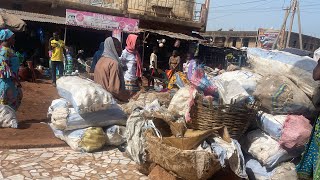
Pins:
x: 236, y: 117
x: 186, y: 164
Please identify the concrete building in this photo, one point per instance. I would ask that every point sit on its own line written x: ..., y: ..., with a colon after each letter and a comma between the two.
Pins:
x: 184, y: 15
x: 240, y: 39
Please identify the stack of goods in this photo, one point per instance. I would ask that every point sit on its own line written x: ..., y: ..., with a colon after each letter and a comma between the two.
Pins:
x: 287, y: 94
x: 86, y: 117
x: 160, y: 138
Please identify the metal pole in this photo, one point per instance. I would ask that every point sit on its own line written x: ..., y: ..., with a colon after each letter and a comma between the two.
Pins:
x: 144, y: 36
x: 293, y: 7
x: 65, y: 35
x: 282, y: 27
x: 299, y: 23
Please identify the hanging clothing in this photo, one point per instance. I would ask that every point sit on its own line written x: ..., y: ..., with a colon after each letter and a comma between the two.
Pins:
x: 309, y: 165
x: 191, y: 68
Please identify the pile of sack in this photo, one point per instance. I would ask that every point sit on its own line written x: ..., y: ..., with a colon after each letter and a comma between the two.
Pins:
x: 282, y: 85
x: 86, y: 117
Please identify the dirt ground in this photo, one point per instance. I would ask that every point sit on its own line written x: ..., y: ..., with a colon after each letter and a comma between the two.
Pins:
x: 32, y: 131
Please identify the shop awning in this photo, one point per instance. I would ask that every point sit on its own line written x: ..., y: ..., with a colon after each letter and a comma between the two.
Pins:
x: 28, y: 16
x: 171, y: 34
x: 11, y: 21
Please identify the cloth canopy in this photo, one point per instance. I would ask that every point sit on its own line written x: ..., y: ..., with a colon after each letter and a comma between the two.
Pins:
x: 11, y: 21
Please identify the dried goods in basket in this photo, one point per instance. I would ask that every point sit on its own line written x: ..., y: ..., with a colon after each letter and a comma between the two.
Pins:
x: 235, y: 117
x: 187, y: 164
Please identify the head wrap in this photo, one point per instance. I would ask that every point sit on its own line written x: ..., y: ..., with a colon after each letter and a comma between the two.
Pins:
x: 5, y: 34
x: 131, y: 48
x: 111, y: 52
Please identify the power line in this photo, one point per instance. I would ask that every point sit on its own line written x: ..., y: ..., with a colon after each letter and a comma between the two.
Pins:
x: 248, y: 2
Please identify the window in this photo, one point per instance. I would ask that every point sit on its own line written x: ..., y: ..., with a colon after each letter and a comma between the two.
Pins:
x: 305, y: 46
x: 311, y: 47
x: 234, y: 42
x: 294, y: 44
x: 246, y: 42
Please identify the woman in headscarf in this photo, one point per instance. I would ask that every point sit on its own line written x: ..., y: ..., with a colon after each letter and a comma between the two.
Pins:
x: 109, y: 70
x: 10, y: 88
x: 131, y: 59
x: 309, y: 166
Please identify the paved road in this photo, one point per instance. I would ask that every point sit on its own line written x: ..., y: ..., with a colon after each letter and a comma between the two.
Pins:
x: 64, y: 163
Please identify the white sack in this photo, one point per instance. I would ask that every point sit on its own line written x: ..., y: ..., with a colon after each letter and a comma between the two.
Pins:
x: 179, y: 104
x: 64, y: 118
x: 84, y: 140
x: 231, y: 91
x: 57, y: 103
x: 115, y: 135
x: 297, y: 68
x: 283, y: 171
x: 279, y: 95
x: 316, y: 55
x: 246, y: 79
x: 272, y: 125
x: 265, y: 149
x: 85, y: 95
x: 8, y: 117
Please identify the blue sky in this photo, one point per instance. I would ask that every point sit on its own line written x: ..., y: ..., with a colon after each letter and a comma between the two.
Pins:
x: 253, y: 14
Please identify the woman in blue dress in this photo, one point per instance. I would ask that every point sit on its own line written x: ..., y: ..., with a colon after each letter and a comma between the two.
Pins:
x: 10, y: 88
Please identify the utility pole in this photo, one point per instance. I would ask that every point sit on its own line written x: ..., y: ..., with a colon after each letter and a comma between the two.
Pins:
x: 299, y: 23
x: 293, y: 9
x: 283, y: 27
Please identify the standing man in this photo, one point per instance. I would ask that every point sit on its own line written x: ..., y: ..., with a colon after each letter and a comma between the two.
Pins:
x: 57, y: 58
x: 153, y: 65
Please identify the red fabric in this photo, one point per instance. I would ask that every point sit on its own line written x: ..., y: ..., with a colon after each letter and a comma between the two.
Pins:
x: 131, y: 48
x: 296, y: 132
x: 169, y: 74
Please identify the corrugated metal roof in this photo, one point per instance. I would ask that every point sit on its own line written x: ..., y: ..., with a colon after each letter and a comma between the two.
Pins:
x: 171, y: 34
x: 35, y: 16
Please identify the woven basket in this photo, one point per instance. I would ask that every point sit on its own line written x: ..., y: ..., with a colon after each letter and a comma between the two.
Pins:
x: 187, y: 164
x: 236, y: 118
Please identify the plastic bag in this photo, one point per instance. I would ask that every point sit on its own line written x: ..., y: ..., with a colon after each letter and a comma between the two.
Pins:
x: 85, y: 95
x: 179, y: 104
x: 272, y: 125
x: 279, y: 95
x: 231, y: 91
x: 8, y: 117
x: 267, y: 150
x: 115, y: 135
x: 246, y: 79
x: 201, y: 82
x: 85, y: 140
x: 296, y: 132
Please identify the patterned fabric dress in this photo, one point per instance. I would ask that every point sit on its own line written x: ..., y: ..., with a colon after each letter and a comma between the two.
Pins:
x: 309, y: 167
x: 10, y: 92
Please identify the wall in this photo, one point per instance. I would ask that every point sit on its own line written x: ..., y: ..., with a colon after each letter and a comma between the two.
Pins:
x: 113, y: 4
x: 181, y: 9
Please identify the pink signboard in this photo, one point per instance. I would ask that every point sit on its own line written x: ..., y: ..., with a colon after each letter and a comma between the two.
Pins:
x: 100, y: 21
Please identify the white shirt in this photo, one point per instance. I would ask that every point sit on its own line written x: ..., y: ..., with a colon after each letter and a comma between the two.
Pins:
x: 153, y: 58
x: 129, y: 60
x: 186, y: 67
